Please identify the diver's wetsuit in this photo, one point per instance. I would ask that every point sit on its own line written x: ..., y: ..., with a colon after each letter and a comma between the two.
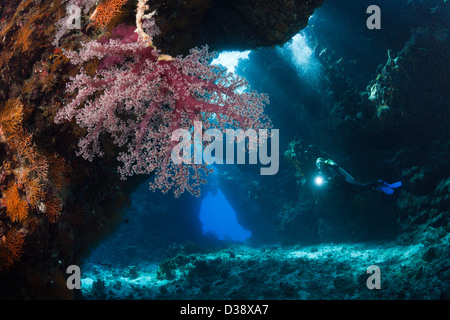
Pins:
x: 339, y: 177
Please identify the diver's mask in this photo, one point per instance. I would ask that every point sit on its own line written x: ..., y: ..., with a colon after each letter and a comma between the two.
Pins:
x: 319, y: 163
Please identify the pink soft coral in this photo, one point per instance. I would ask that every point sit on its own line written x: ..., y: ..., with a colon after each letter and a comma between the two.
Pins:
x: 140, y: 99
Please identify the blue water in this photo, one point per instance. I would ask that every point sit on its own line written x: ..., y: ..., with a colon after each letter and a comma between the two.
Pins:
x: 219, y: 219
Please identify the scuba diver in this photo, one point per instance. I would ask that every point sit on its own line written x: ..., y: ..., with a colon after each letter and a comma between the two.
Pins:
x: 332, y: 173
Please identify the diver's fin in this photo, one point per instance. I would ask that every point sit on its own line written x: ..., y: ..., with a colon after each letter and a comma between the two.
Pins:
x: 395, y: 184
x: 386, y: 190
x: 391, y: 185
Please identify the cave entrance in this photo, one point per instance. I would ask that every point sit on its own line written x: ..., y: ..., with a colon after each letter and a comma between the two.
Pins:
x: 219, y: 218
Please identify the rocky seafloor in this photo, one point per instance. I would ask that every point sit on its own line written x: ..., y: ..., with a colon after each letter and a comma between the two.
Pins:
x: 325, y: 271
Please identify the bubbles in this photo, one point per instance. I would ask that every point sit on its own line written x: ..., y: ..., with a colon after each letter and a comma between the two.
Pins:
x: 298, y: 52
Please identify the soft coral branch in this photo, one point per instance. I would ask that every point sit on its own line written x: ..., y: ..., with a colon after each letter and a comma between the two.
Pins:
x: 139, y: 96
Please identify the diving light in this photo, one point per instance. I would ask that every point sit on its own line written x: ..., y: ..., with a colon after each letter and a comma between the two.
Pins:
x: 319, y: 181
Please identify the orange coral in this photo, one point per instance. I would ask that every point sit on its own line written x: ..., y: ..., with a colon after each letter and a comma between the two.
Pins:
x: 23, y: 41
x: 23, y: 144
x: 16, y: 207
x: 19, y: 30
x: 32, y: 174
x: 17, y: 14
x: 21, y: 175
x: 11, y: 119
x: 35, y: 192
x: 39, y: 167
x: 53, y: 206
x: 11, y: 246
x: 32, y: 224
x: 59, y: 171
x: 105, y: 12
x: 30, y: 185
